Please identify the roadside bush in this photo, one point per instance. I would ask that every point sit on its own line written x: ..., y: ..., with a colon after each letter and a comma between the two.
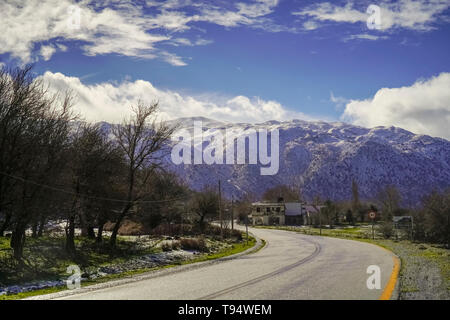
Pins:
x: 211, y: 230
x: 176, y: 245
x: 387, y: 229
x: 166, y: 229
x: 236, y: 234
x: 128, y: 228
x: 214, y: 231
x: 194, y: 244
x: 166, y: 246
x: 171, y: 245
x: 436, y: 214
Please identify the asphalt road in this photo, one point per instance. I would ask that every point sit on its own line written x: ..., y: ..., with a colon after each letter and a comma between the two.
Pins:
x: 290, y: 266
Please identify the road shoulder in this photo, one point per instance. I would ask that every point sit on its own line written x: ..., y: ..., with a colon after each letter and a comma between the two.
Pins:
x: 149, y: 275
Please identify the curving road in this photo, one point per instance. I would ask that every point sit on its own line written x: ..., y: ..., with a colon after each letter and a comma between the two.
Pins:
x: 290, y: 266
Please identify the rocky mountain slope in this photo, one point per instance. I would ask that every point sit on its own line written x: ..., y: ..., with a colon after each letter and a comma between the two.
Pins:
x: 322, y: 158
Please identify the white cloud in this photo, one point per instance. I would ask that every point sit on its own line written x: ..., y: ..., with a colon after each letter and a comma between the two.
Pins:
x: 327, y: 11
x: 203, y: 42
x: 173, y: 59
x: 223, y: 17
x: 170, y: 20
x: 102, y: 31
x: 417, y: 15
x: 310, y: 25
x: 47, y: 52
x: 364, y: 36
x: 338, y: 101
x: 181, y: 41
x: 409, y: 14
x: 61, y: 47
x: 422, y: 108
x: 258, y: 9
x: 186, y: 42
x: 170, y: 4
x: 111, y: 102
x: 126, y: 28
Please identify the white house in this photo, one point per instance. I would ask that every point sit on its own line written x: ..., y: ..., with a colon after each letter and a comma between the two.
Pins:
x: 283, y: 213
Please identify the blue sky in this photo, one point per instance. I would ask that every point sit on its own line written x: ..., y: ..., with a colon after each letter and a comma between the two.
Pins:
x: 242, y: 60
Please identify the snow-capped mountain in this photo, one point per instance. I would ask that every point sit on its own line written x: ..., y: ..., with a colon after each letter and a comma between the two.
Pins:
x: 322, y: 159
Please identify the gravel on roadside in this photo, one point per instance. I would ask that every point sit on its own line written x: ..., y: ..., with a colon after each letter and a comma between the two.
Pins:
x: 424, y: 271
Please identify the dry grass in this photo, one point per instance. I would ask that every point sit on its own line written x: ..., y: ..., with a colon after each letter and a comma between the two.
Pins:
x: 128, y: 228
x: 198, y: 244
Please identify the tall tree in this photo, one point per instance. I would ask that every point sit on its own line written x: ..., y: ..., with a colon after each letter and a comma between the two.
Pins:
x: 34, y: 127
x: 159, y: 204
x: 355, y: 197
x: 205, y: 204
x: 281, y: 191
x: 436, y: 210
x: 330, y: 212
x: 94, y: 164
x: 389, y: 199
x: 143, y: 140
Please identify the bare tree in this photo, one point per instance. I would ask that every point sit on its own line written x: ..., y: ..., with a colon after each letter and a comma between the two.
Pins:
x: 297, y: 185
x: 34, y: 127
x: 143, y: 141
x: 243, y: 206
x: 389, y: 199
x: 436, y: 210
x: 162, y: 187
x: 205, y: 204
x: 288, y: 193
x: 329, y: 212
x: 95, y: 163
x: 355, y: 197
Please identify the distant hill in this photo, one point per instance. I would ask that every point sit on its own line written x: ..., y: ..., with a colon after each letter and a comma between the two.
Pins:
x: 322, y: 159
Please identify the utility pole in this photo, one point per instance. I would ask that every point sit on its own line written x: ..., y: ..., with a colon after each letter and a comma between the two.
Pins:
x: 320, y: 219
x: 182, y: 218
x: 320, y: 222
x: 373, y: 230
x: 232, y: 212
x: 448, y: 234
x: 220, y: 211
x: 246, y: 225
x: 372, y: 216
x: 315, y: 206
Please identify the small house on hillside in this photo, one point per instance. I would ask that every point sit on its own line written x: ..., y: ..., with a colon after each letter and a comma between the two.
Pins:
x: 268, y: 213
x: 283, y: 213
x: 402, y: 222
x: 294, y: 213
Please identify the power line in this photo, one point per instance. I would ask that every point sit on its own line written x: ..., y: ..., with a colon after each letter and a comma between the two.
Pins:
x: 86, y: 195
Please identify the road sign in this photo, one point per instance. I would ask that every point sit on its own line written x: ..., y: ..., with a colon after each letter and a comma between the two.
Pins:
x: 372, y: 215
